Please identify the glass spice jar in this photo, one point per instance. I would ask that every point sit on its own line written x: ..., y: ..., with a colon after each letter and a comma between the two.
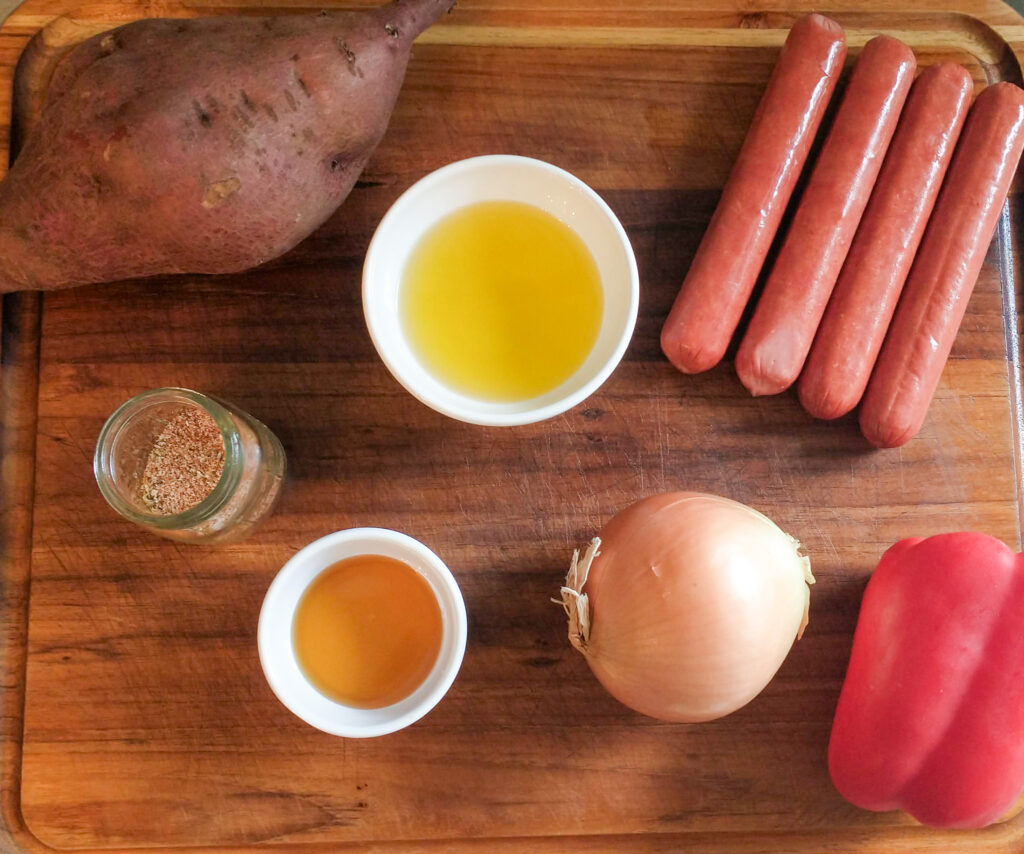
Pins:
x: 188, y: 467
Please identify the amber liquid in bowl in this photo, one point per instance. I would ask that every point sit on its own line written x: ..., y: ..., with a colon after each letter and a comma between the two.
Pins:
x: 367, y: 631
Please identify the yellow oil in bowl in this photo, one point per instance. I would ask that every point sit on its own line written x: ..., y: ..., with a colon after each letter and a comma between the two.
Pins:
x: 501, y: 301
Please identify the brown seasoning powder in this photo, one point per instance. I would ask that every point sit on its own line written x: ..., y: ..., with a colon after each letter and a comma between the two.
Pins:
x: 184, y: 464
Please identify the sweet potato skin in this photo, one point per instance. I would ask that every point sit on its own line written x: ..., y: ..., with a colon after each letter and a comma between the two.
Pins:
x: 202, y: 146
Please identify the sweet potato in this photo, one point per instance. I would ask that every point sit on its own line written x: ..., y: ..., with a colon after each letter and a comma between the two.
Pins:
x: 203, y: 145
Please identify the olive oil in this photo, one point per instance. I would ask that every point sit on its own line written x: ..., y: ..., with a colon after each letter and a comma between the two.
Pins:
x: 501, y: 301
x: 367, y: 631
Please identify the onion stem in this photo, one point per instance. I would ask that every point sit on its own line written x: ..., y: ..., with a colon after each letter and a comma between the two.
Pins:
x: 574, y: 600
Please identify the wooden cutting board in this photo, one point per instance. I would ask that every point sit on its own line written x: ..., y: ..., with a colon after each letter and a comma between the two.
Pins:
x: 135, y: 715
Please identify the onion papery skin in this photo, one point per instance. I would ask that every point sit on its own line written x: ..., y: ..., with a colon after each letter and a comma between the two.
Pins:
x: 694, y: 602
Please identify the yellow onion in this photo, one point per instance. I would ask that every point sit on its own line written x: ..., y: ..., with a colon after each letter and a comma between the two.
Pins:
x: 686, y: 604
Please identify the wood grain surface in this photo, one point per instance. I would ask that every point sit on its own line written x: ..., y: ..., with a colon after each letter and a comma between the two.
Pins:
x: 135, y: 715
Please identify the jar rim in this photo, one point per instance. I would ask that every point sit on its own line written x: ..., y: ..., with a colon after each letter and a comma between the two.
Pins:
x: 218, y: 496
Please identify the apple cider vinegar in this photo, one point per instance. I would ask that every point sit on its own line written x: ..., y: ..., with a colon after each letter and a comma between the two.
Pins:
x: 367, y: 631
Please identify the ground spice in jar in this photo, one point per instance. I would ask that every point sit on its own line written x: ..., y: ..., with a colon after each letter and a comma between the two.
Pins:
x: 184, y: 464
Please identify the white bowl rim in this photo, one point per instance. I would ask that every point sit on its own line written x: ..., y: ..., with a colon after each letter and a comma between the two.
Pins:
x: 466, y: 412
x: 394, y: 717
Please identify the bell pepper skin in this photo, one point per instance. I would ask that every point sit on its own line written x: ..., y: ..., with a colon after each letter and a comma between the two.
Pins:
x: 930, y: 718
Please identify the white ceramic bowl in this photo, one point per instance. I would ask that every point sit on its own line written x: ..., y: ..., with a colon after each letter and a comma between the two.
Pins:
x: 506, y: 178
x: 277, y: 652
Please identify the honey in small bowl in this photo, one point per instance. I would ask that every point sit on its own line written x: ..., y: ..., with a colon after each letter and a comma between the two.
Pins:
x: 367, y: 631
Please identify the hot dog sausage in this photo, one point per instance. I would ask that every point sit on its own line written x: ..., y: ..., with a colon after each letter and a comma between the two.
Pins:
x: 732, y: 251
x: 946, y: 267
x: 779, y: 337
x: 862, y: 304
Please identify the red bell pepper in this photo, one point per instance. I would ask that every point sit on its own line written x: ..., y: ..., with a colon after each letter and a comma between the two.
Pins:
x: 931, y: 715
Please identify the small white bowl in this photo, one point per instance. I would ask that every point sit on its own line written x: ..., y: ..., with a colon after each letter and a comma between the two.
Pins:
x: 277, y: 651
x: 505, y: 178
